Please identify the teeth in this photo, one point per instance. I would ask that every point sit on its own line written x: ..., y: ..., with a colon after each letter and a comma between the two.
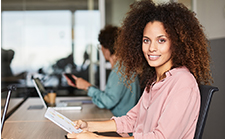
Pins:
x: 153, y: 56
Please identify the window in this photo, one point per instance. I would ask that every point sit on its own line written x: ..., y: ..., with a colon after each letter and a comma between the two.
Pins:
x: 38, y: 38
x: 51, y: 42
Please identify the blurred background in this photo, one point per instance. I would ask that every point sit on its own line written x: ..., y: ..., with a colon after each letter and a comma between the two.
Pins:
x: 45, y: 38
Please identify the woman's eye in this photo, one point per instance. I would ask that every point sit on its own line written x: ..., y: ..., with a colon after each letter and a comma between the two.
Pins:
x: 145, y: 40
x: 162, y: 40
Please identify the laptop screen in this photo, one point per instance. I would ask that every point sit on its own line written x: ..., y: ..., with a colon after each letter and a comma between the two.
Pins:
x: 41, y: 90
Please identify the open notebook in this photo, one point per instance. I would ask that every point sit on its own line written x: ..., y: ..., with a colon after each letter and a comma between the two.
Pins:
x: 59, y: 106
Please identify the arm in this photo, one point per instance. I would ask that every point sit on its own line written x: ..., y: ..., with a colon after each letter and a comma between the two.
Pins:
x: 112, y: 94
x: 125, y: 124
x: 119, y: 124
x: 97, y: 126
x: 101, y: 126
x: 103, y: 99
x: 108, y: 98
x: 90, y: 135
x: 179, y: 113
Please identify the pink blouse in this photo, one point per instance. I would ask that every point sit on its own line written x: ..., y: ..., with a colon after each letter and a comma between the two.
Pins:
x: 169, y: 111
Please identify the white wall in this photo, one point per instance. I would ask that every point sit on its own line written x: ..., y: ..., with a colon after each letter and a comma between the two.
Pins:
x: 211, y: 14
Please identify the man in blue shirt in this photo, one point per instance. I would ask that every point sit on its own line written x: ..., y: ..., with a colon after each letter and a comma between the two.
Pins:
x: 117, y: 96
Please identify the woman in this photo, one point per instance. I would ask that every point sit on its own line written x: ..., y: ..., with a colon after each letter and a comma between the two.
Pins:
x: 165, y: 44
x: 116, y: 97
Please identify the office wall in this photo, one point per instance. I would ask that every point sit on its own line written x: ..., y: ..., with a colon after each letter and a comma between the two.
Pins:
x: 211, y: 14
x: 215, y: 124
x: 116, y: 11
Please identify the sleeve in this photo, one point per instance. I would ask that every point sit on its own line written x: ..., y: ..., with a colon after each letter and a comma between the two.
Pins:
x: 125, y: 124
x: 179, y: 116
x: 111, y: 96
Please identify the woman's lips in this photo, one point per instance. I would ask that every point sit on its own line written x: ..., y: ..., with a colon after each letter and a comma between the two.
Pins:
x: 153, y: 57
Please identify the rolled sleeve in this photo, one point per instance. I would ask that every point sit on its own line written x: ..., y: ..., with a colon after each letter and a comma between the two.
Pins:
x: 125, y: 124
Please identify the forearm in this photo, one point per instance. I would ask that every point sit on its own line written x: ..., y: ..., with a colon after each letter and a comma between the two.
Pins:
x: 107, y: 98
x: 105, y: 137
x: 102, y: 126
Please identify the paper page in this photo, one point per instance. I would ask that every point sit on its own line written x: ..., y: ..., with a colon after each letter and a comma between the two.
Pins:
x: 61, y: 121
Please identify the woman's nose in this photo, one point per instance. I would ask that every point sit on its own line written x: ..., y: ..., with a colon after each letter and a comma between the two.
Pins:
x: 152, y: 47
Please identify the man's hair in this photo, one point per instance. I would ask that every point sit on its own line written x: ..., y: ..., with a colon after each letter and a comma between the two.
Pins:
x: 108, y: 36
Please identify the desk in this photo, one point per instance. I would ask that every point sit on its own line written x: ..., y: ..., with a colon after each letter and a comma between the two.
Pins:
x: 31, y: 124
x: 13, y: 104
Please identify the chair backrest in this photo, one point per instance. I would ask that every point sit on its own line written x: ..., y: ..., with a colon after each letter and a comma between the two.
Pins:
x: 206, y: 93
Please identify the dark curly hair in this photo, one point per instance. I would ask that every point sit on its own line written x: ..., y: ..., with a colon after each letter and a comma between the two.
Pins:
x: 189, y: 43
x: 107, y: 37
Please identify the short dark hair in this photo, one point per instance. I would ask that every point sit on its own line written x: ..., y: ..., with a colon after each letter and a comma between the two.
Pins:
x: 107, y: 37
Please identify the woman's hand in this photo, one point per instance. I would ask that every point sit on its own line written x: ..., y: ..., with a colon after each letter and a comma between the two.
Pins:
x: 81, y: 124
x: 80, y: 83
x: 83, y: 135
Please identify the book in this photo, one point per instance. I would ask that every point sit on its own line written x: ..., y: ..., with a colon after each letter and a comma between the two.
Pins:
x: 61, y: 121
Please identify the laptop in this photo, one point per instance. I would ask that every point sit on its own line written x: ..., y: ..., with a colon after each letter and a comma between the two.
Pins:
x: 59, y: 106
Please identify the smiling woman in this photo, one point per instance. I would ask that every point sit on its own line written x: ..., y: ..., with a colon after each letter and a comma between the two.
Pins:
x: 156, y: 48
x: 166, y: 44
x: 159, y: 42
x: 188, y: 41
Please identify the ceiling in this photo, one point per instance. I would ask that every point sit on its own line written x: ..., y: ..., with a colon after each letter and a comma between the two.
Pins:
x: 14, y: 5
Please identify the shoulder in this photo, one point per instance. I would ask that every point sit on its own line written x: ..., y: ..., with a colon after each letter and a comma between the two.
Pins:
x: 182, y: 77
x: 182, y: 83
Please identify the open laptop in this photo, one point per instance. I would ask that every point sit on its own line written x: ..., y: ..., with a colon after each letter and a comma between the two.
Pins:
x: 59, y: 106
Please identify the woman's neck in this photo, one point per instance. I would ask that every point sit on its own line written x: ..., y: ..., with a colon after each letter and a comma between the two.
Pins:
x: 160, y: 77
x: 161, y: 74
x: 112, y: 60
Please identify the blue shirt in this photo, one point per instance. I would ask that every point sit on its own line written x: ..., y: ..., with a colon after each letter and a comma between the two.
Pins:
x: 117, y: 97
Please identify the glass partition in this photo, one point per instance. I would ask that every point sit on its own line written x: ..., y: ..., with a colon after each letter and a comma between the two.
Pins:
x: 45, y: 39
x: 38, y: 38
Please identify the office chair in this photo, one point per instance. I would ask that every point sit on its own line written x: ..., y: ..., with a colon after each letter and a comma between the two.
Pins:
x: 206, y: 93
x: 10, y: 88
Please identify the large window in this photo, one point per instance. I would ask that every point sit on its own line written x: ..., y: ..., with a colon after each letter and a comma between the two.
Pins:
x: 47, y: 43
x: 52, y: 37
x: 38, y: 38
x: 86, y: 30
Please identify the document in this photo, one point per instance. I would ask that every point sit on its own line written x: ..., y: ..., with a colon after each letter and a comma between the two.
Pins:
x: 61, y: 121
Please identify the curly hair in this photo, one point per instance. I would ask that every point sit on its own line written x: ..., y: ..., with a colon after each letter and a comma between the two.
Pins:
x: 107, y: 37
x: 189, y: 43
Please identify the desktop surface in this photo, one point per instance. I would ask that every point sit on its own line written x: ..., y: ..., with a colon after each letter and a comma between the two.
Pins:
x: 31, y: 123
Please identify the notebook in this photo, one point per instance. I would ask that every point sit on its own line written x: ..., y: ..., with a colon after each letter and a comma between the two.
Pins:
x: 59, y: 106
x: 61, y: 121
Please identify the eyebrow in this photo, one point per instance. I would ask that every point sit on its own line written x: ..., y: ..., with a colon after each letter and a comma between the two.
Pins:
x: 157, y: 36
x: 162, y: 36
x: 145, y: 37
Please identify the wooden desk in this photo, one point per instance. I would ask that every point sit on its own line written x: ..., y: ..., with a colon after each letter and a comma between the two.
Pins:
x: 31, y: 124
x: 13, y: 104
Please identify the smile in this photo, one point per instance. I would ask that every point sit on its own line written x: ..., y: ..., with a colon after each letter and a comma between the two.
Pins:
x: 153, y: 57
